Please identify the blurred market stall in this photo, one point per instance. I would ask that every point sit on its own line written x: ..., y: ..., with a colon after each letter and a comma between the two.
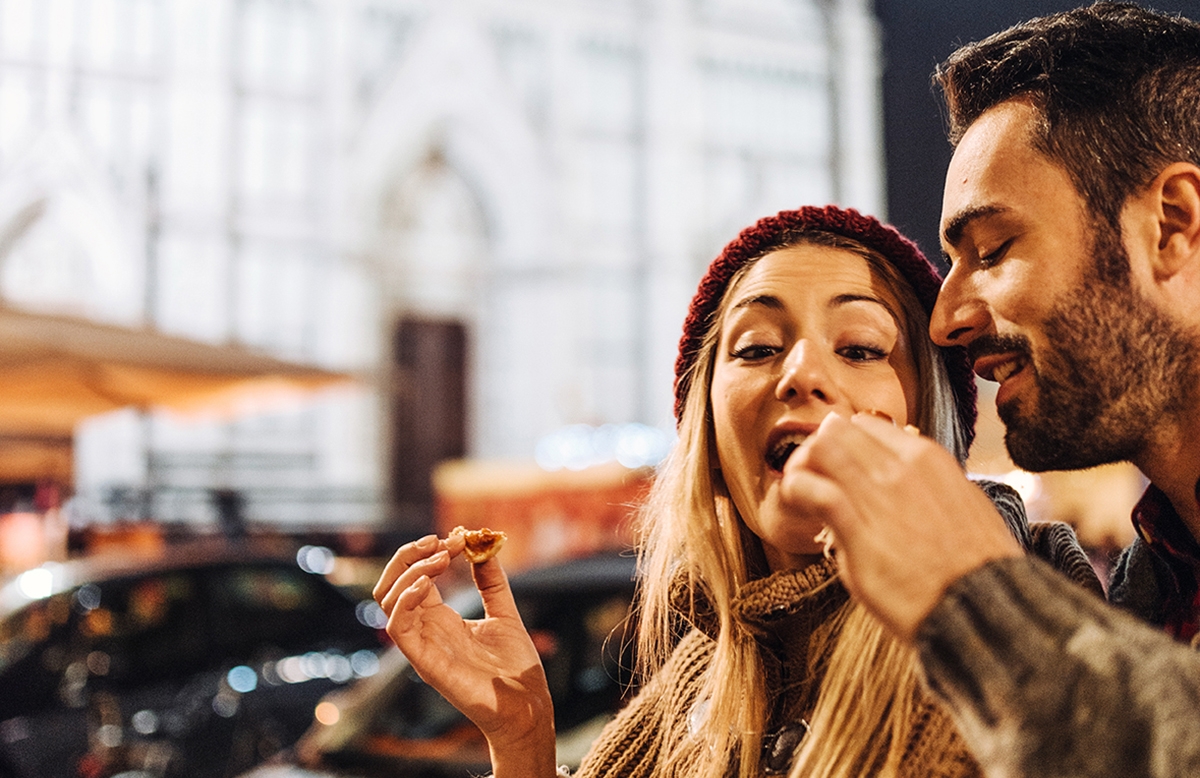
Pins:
x: 57, y: 370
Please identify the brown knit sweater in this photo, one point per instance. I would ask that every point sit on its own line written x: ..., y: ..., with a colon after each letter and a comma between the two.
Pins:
x: 785, y: 608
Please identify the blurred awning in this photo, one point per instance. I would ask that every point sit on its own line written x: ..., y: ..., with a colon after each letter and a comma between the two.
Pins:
x: 57, y: 370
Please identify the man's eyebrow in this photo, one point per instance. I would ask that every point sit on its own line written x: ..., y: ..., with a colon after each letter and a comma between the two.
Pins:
x: 953, y: 231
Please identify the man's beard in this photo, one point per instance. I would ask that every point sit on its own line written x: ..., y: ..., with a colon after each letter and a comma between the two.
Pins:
x: 1116, y: 367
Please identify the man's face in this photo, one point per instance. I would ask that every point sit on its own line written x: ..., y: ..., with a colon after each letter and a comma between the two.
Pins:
x: 1086, y: 367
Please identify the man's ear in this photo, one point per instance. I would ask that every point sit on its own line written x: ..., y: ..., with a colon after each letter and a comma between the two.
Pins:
x: 1174, y: 196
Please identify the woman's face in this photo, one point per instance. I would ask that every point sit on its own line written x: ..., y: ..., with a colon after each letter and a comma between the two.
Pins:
x: 808, y: 330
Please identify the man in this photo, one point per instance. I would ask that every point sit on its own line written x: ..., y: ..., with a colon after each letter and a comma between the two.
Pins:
x: 1071, y: 219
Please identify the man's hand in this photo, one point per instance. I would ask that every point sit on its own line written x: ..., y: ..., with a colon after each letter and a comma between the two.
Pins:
x: 906, y: 521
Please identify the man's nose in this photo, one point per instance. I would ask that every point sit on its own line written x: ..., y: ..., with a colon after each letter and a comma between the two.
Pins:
x: 960, y: 315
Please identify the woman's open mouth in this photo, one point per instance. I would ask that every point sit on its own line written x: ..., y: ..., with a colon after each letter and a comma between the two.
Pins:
x: 778, y: 455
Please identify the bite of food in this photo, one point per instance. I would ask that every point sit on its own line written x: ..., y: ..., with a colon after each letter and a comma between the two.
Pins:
x: 482, y: 543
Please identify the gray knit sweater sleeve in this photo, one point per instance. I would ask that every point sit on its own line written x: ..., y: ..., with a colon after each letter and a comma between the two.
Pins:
x: 1045, y: 679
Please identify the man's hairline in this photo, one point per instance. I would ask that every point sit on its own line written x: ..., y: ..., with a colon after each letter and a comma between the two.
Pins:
x: 1037, y: 142
x: 965, y: 216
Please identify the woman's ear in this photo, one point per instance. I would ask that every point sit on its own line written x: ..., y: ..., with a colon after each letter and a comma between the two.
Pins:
x: 1175, y: 197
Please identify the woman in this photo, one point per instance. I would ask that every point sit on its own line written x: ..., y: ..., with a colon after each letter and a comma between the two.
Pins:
x: 758, y: 663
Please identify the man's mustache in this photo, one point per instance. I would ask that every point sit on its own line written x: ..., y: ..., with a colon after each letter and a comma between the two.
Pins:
x: 986, y: 345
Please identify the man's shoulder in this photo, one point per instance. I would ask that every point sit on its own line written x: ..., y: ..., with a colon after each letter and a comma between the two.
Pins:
x: 1140, y: 582
x: 1010, y: 506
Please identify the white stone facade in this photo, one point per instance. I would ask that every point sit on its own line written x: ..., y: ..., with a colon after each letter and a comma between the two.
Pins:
x: 293, y: 175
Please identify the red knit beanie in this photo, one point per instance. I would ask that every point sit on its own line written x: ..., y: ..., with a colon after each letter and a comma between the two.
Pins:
x: 773, y: 231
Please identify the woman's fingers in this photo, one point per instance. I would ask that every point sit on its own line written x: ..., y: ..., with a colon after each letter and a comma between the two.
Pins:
x: 428, y: 555
x: 405, y: 614
x: 431, y: 567
x: 404, y: 557
x: 492, y: 583
x: 488, y: 668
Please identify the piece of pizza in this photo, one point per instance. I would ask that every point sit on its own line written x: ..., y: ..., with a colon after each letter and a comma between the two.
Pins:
x: 482, y: 544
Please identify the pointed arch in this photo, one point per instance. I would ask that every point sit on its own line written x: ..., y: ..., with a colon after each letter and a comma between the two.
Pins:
x: 449, y: 93
x: 66, y: 240
x: 449, y: 97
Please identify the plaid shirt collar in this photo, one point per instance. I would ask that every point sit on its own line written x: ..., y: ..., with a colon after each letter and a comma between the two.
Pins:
x: 1165, y: 533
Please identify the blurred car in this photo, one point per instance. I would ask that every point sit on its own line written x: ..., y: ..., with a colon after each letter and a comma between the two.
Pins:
x: 198, y: 662
x: 394, y: 724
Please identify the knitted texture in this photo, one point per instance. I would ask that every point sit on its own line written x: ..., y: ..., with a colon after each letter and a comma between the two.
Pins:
x: 634, y: 744
x: 787, y: 593
x: 1056, y: 542
x: 1141, y: 583
x: 1047, y: 681
x: 786, y: 608
x: 768, y: 233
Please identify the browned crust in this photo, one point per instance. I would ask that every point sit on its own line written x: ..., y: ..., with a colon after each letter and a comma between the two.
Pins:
x: 482, y: 544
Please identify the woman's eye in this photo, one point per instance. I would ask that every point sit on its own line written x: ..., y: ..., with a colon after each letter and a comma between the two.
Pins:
x: 754, y: 352
x: 863, y: 353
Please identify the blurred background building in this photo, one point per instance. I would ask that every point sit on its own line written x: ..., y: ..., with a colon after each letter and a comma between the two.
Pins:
x: 490, y: 214
x: 349, y: 271
x: 494, y: 212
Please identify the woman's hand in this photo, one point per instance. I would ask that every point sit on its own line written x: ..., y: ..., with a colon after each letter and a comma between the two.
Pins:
x: 487, y: 668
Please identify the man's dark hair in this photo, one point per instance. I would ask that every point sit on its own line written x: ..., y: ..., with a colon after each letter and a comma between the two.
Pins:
x: 1117, y: 87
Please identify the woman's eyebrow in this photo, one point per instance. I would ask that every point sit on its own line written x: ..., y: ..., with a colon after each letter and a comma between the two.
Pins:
x: 845, y: 299
x: 765, y: 300
x: 774, y: 303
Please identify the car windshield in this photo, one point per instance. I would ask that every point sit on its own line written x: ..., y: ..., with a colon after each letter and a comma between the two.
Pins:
x: 133, y: 631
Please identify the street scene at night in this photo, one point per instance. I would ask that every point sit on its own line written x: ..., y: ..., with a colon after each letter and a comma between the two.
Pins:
x: 706, y: 388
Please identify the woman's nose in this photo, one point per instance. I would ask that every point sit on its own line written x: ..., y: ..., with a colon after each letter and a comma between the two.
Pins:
x: 805, y: 375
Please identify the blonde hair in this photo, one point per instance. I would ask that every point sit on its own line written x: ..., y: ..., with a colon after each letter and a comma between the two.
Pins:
x: 693, y: 541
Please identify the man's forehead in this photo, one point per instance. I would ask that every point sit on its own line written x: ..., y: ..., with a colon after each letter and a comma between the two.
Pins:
x: 994, y: 169
x: 1012, y: 121
x: 999, y: 135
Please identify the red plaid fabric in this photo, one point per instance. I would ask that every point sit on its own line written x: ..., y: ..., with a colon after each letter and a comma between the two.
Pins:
x: 1162, y: 529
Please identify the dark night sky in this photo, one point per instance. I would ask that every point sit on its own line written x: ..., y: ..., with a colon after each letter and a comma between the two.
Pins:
x: 917, y: 34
